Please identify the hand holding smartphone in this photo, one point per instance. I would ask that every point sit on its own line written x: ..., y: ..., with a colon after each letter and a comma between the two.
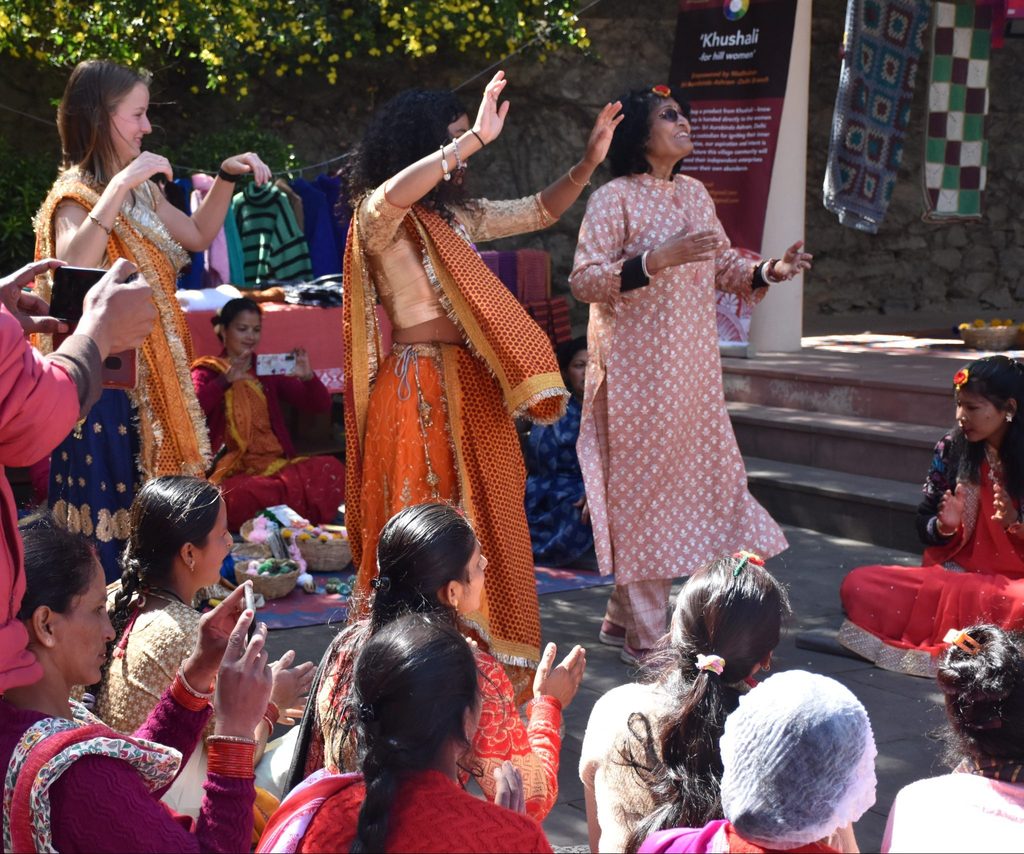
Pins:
x: 67, y: 300
x: 250, y: 604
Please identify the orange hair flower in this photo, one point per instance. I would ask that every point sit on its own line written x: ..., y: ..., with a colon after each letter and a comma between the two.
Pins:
x: 960, y: 378
x: 662, y: 91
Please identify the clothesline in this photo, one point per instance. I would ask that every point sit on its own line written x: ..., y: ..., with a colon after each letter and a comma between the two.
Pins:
x: 277, y: 173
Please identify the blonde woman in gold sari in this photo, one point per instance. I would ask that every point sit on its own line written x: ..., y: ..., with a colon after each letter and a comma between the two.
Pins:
x: 103, y: 207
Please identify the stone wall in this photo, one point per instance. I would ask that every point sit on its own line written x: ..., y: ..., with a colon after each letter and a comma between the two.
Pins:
x: 908, y: 266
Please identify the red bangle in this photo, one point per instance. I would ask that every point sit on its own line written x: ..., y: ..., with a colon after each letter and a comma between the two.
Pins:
x: 186, y: 697
x: 272, y: 713
x: 230, y: 757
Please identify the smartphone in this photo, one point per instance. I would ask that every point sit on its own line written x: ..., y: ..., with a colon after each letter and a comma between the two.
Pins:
x: 67, y: 299
x: 275, y: 364
x: 250, y: 604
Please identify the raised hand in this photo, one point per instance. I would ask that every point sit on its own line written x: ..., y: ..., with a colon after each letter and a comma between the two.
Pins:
x: 793, y: 263
x: 1006, y: 513
x: 142, y: 168
x: 561, y: 682
x: 684, y: 248
x: 490, y: 116
x: 951, y: 509
x: 291, y: 685
x: 602, y: 132
x: 215, y: 627
x: 244, y: 680
x: 248, y: 164
x: 302, y: 368
x: 239, y: 369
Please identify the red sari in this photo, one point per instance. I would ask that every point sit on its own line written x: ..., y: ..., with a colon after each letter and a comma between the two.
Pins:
x: 259, y: 468
x: 897, y: 616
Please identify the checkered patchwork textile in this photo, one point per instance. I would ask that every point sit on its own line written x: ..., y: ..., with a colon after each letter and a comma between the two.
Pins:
x: 956, y: 151
x: 883, y: 43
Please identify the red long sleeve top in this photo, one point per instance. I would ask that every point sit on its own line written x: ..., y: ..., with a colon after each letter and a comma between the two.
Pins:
x: 309, y: 396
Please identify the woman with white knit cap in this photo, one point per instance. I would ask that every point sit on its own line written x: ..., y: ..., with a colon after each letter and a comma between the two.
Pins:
x: 798, y: 760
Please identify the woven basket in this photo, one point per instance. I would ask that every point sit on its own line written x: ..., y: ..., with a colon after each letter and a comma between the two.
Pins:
x: 990, y: 337
x: 271, y: 586
x: 332, y: 556
x: 250, y: 551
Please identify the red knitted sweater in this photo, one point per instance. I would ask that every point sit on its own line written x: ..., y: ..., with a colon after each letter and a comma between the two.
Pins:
x: 430, y: 813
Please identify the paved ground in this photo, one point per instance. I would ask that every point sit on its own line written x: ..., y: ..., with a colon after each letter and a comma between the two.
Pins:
x: 905, y: 711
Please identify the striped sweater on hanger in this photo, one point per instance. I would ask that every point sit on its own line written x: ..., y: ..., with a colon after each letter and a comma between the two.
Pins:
x: 272, y: 242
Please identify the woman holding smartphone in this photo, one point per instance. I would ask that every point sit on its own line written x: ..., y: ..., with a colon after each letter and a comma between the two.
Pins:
x: 256, y: 462
x: 102, y: 207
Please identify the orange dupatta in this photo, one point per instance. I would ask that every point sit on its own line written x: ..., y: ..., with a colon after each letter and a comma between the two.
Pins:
x: 496, y: 328
x: 252, y: 446
x: 172, y: 428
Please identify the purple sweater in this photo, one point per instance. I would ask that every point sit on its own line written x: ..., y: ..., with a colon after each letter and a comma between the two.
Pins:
x: 101, y: 804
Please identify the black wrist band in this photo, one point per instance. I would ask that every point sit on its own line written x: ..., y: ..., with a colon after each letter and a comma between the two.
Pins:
x: 227, y: 176
x: 482, y: 143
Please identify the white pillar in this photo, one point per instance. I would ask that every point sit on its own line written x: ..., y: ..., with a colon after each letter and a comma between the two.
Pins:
x: 777, y: 323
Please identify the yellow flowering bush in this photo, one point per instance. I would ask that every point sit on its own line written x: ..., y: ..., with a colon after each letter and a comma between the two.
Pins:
x: 233, y: 41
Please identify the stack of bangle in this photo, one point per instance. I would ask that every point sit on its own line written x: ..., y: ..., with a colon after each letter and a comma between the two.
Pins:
x: 458, y: 157
x: 231, y: 756
x: 187, y: 696
x: 270, y: 716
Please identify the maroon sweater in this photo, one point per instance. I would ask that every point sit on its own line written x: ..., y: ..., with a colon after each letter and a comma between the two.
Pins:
x: 101, y: 803
x: 309, y: 396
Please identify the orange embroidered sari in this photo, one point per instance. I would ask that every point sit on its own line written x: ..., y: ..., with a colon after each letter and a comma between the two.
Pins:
x: 433, y: 422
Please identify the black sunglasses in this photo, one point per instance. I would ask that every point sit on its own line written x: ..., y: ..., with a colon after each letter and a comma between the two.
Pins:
x: 671, y: 114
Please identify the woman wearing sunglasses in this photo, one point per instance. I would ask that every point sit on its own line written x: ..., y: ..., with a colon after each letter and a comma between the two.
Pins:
x: 650, y: 258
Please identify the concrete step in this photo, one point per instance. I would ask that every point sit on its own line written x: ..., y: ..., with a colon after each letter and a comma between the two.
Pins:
x: 874, y: 385
x: 871, y: 509
x: 842, y: 443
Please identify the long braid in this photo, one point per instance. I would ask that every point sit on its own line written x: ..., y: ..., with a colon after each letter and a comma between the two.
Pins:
x: 132, y: 582
x: 381, y: 787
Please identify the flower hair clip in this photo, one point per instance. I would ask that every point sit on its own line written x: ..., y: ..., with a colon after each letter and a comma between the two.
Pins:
x: 714, y: 663
x: 960, y: 378
x: 960, y: 638
x: 662, y: 91
x: 743, y: 558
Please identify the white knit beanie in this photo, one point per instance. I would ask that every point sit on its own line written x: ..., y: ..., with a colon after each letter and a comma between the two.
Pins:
x: 799, y: 761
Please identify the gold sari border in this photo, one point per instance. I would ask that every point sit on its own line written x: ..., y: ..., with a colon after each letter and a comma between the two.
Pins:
x: 913, y: 662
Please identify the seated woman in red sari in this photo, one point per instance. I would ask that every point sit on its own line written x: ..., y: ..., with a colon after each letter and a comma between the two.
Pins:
x: 970, y: 521
x: 259, y: 468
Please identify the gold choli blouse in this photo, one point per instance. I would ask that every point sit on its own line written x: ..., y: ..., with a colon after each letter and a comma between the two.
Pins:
x: 395, y: 261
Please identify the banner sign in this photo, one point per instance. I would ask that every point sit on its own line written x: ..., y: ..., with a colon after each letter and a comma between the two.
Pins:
x: 731, y: 59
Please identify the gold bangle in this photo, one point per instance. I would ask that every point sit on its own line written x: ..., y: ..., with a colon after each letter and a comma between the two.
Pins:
x: 95, y: 219
x: 572, y: 180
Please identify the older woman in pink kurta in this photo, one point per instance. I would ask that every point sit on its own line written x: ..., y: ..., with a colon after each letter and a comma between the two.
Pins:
x: 666, y: 486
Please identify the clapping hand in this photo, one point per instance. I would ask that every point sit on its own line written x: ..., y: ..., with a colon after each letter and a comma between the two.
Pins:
x: 951, y: 509
x: 1006, y: 513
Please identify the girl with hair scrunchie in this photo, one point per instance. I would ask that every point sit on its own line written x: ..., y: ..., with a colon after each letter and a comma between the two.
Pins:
x: 650, y: 758
x: 970, y: 521
x: 982, y: 680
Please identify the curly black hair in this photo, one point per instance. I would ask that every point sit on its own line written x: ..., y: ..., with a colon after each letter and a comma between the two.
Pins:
x: 405, y: 129
x: 628, y: 152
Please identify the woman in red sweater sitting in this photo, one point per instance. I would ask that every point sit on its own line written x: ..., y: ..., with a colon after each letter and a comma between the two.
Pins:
x: 429, y: 562
x: 416, y: 703
x: 257, y: 466
x: 73, y: 784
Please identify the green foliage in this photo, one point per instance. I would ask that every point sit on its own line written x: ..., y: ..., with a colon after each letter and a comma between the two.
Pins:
x: 24, y: 182
x: 206, y: 150
x: 235, y: 40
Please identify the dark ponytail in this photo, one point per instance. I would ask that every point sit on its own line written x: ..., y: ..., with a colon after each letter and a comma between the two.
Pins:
x: 421, y: 550
x: 413, y: 683
x: 737, y: 615
x: 167, y: 513
x: 984, y: 696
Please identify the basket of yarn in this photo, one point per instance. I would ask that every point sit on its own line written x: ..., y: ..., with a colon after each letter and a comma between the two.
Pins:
x: 994, y: 335
x: 325, y: 549
x: 271, y: 577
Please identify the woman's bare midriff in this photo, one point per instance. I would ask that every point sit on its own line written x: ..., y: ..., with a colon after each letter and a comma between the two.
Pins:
x: 438, y: 331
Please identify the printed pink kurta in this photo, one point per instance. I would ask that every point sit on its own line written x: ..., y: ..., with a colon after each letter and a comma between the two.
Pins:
x: 665, y: 482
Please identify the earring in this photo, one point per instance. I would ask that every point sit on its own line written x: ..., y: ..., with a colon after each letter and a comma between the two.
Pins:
x: 767, y: 666
x: 191, y: 564
x: 1009, y: 417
